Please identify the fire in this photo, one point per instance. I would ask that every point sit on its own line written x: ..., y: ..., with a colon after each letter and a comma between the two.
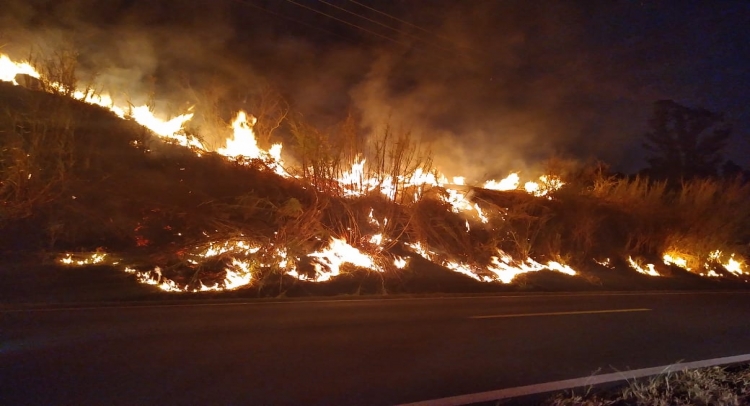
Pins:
x: 171, y: 129
x: 338, y: 253
x: 82, y: 259
x: 606, y: 262
x: 649, y: 270
x: 243, y: 144
x: 505, y: 268
x: 399, y: 262
x: 732, y: 265
x: 545, y: 185
x: 511, y: 182
x: 676, y: 260
x: 9, y: 69
x: 242, y: 258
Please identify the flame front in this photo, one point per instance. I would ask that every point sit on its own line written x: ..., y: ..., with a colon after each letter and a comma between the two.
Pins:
x: 649, y: 270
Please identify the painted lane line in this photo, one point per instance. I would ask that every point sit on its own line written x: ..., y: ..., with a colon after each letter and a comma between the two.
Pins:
x: 502, y: 316
x: 577, y: 382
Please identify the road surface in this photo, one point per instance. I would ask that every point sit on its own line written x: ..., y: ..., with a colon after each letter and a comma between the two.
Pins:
x: 358, y: 352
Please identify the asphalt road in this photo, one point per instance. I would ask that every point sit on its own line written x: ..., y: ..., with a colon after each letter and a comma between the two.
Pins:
x: 357, y: 352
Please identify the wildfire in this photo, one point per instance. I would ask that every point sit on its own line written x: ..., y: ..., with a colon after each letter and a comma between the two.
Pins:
x: 649, y: 270
x: 511, y: 182
x: 676, y: 260
x: 715, y: 258
x: 505, y: 268
x: 170, y: 129
x: 339, y: 252
x: 241, y: 258
x: 82, y: 259
x: 9, y: 69
x: 732, y: 265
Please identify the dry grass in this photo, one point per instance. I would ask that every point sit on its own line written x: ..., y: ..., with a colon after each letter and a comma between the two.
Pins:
x: 699, y: 387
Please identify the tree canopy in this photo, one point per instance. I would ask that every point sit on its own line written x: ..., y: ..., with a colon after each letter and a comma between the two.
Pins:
x: 684, y: 142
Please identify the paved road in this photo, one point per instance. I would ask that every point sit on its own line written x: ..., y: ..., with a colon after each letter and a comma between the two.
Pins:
x: 357, y: 352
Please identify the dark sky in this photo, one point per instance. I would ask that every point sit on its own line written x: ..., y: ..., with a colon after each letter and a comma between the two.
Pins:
x: 494, y: 85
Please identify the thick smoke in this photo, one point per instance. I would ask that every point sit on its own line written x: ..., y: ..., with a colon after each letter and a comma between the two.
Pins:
x: 492, y: 86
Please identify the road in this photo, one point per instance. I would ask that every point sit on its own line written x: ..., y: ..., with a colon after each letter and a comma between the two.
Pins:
x: 358, y: 352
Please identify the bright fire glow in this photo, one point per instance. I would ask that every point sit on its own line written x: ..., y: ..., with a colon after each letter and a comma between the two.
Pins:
x: 505, y: 268
x: 82, y: 259
x: 511, y: 182
x: 649, y: 270
x: 170, y: 129
x: 9, y: 69
x: 676, y: 260
x: 731, y: 264
x: 337, y: 253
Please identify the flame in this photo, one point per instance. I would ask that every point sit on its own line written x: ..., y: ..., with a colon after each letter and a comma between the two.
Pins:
x: 399, y: 262
x: 9, y: 69
x: 505, y: 268
x: 511, y: 182
x: 676, y: 260
x: 82, y: 259
x: 241, y: 255
x: 337, y: 253
x: 170, y: 129
x: 649, y: 270
x: 545, y: 185
x: 732, y: 265
x: 243, y: 144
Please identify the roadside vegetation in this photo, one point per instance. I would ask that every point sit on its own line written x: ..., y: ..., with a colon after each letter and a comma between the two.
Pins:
x: 728, y: 386
x: 75, y: 177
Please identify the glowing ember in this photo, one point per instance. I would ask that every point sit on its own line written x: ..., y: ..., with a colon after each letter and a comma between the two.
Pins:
x: 649, y: 270
x: 605, y: 263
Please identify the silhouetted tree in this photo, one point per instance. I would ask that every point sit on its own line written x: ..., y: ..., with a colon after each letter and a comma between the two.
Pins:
x: 685, y: 142
x: 731, y: 170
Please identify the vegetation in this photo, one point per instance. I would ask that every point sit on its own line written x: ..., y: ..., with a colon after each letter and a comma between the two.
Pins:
x: 685, y: 142
x: 76, y: 177
x: 705, y: 386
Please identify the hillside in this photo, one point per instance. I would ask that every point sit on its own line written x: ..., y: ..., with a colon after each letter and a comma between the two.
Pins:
x: 82, y: 186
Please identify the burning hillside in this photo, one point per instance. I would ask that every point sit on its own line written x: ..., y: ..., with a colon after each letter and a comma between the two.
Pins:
x: 192, y: 218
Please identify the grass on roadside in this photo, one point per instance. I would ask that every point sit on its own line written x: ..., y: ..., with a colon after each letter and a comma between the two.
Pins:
x: 728, y: 386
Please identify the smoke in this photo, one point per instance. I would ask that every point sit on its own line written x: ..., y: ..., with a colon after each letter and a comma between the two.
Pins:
x: 491, y: 86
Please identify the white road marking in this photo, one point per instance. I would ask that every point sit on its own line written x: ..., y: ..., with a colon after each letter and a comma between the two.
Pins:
x: 502, y: 316
x: 577, y: 382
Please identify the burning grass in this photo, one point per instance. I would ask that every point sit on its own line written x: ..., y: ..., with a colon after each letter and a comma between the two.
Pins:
x: 81, y: 175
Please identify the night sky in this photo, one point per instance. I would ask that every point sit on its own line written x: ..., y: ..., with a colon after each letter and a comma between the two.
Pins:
x: 493, y: 85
